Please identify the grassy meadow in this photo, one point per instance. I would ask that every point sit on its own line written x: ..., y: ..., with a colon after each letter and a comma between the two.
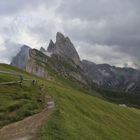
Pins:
x: 78, y: 115
x: 18, y: 102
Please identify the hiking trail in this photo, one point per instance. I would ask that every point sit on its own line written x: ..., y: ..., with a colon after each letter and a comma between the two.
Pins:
x: 27, y: 129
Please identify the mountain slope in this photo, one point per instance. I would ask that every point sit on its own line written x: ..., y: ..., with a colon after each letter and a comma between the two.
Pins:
x: 17, y: 101
x: 62, y: 59
x: 80, y: 116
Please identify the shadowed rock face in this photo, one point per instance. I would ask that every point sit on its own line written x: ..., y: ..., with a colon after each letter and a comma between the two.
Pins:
x: 21, y: 59
x: 64, y: 48
x: 51, y: 46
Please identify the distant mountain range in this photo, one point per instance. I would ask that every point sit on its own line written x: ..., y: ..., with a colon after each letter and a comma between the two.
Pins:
x: 111, y: 77
x: 63, y: 58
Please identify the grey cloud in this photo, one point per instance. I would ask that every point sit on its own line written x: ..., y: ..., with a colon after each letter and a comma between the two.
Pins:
x: 111, y: 24
x: 90, y: 9
x: 8, y: 7
x: 108, y: 22
x: 13, y: 6
x: 9, y: 50
x: 102, y: 53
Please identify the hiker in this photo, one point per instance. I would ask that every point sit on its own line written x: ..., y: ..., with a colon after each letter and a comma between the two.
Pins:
x: 21, y: 81
x: 34, y: 82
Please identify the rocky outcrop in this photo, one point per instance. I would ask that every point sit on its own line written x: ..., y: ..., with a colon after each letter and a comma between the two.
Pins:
x: 47, y: 53
x: 28, y: 60
x: 36, y: 64
x: 42, y: 50
x: 51, y: 46
x: 63, y: 47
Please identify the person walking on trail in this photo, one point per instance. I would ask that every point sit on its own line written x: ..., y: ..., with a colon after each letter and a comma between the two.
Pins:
x: 21, y: 80
x: 33, y: 82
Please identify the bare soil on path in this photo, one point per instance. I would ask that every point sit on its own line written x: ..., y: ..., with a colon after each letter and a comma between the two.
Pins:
x: 28, y: 128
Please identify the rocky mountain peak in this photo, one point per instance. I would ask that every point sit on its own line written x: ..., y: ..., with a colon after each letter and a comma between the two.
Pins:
x: 60, y: 36
x: 24, y: 48
x: 42, y: 49
x: 64, y: 48
x: 22, y: 56
x: 51, y: 46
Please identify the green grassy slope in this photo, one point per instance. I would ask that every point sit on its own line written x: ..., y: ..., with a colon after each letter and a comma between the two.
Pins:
x: 17, y: 102
x: 83, y: 117
x: 79, y: 116
x: 131, y: 99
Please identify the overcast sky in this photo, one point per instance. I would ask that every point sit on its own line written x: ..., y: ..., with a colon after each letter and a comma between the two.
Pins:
x: 103, y: 31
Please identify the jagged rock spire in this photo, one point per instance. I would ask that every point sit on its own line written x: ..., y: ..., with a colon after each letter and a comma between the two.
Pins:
x: 51, y: 46
x: 64, y: 48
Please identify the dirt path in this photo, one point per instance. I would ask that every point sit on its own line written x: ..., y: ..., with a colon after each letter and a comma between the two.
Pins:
x: 27, y: 129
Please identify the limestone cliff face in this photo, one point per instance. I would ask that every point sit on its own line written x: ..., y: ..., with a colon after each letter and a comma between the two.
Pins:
x: 36, y: 64
x: 64, y: 48
x: 28, y: 60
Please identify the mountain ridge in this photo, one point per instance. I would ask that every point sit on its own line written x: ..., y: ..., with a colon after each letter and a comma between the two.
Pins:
x: 62, y: 57
x: 107, y: 76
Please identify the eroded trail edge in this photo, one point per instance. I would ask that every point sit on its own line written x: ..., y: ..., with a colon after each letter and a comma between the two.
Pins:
x: 28, y: 128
